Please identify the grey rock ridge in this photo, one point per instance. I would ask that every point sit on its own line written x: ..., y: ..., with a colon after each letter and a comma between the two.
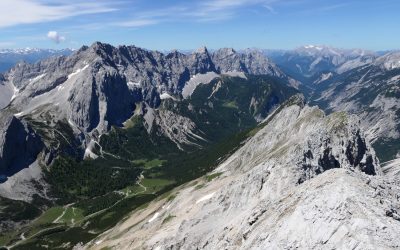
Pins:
x: 372, y: 92
x: 98, y: 86
x: 249, y: 61
x: 304, y: 181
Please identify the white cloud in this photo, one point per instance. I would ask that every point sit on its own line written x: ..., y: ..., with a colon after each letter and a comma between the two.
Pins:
x: 55, y: 36
x: 218, y: 5
x: 147, y: 18
x: 270, y: 9
x: 135, y: 23
x: 15, y: 12
x: 205, y: 11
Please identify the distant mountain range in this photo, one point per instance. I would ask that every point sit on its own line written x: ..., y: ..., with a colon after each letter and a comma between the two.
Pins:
x: 10, y: 57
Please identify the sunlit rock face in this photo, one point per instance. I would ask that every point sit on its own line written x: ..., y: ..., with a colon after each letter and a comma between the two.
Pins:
x: 305, y: 180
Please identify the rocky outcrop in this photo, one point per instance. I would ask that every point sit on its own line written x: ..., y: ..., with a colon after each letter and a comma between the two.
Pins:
x: 19, y: 145
x: 179, y: 129
x: 249, y: 62
x: 305, y: 181
x: 370, y: 91
x: 6, y: 92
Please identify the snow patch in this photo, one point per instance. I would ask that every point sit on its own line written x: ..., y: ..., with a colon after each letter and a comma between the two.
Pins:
x: 37, y: 78
x: 98, y: 242
x: 71, y: 123
x: 313, y: 47
x: 204, y: 198
x: 19, y: 114
x: 165, y: 95
x: 16, y: 91
x: 78, y: 71
x: 134, y: 84
x: 154, y: 217
x: 236, y: 74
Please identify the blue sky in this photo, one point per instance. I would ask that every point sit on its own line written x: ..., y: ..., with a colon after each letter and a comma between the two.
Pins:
x: 170, y: 24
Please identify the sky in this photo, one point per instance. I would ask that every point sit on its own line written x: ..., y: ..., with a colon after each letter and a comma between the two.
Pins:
x: 189, y: 24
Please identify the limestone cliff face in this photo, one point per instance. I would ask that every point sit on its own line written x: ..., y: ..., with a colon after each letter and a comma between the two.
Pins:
x: 305, y: 180
x: 19, y: 145
x: 98, y: 86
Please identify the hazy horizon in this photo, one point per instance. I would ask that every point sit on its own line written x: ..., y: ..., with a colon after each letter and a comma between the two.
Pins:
x: 193, y: 49
x: 184, y: 25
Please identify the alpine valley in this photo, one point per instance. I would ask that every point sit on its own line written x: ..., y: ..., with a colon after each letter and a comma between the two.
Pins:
x: 125, y: 148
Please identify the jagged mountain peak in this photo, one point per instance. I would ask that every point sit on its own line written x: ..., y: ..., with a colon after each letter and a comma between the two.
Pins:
x: 228, y: 60
x: 101, y: 46
x: 175, y: 54
x: 227, y: 53
x: 201, y: 50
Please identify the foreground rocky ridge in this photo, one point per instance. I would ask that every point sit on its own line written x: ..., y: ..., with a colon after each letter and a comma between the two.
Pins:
x: 305, y: 180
